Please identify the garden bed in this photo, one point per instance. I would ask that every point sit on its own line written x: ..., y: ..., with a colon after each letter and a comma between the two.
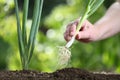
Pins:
x: 63, y: 74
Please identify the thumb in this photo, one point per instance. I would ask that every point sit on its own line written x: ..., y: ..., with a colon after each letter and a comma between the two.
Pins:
x: 83, y: 35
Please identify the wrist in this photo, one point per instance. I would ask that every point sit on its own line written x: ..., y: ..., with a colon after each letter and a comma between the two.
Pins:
x: 96, y: 34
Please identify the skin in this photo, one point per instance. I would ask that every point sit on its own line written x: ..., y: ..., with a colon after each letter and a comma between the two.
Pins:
x: 107, y: 26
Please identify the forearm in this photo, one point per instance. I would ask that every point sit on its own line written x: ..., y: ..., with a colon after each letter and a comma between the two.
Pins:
x: 109, y: 24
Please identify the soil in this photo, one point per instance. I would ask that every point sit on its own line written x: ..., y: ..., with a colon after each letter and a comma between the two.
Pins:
x: 63, y: 74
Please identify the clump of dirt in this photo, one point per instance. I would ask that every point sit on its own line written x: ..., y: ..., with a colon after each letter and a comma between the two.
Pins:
x: 63, y: 74
x: 73, y: 74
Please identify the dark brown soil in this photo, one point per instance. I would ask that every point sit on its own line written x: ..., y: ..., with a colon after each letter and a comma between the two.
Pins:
x: 64, y: 74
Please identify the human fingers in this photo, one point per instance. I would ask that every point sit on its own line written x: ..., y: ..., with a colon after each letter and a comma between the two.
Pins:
x: 66, y: 36
x: 70, y: 30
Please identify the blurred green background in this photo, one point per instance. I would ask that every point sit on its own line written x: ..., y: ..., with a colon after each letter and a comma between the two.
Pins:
x: 98, y: 56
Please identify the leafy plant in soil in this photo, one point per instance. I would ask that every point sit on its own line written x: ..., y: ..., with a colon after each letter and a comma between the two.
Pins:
x: 26, y: 46
x: 64, y: 51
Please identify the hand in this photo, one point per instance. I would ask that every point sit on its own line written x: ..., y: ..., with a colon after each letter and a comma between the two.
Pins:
x: 87, y: 32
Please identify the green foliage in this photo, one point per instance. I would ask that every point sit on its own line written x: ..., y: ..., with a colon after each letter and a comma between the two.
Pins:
x: 4, y: 47
x: 93, y: 5
x: 26, y: 47
x: 7, y: 40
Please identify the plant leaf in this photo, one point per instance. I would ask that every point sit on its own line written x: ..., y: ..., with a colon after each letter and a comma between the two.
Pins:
x: 34, y: 22
x: 36, y: 29
x: 25, y: 14
x: 20, y: 40
x: 94, y: 6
